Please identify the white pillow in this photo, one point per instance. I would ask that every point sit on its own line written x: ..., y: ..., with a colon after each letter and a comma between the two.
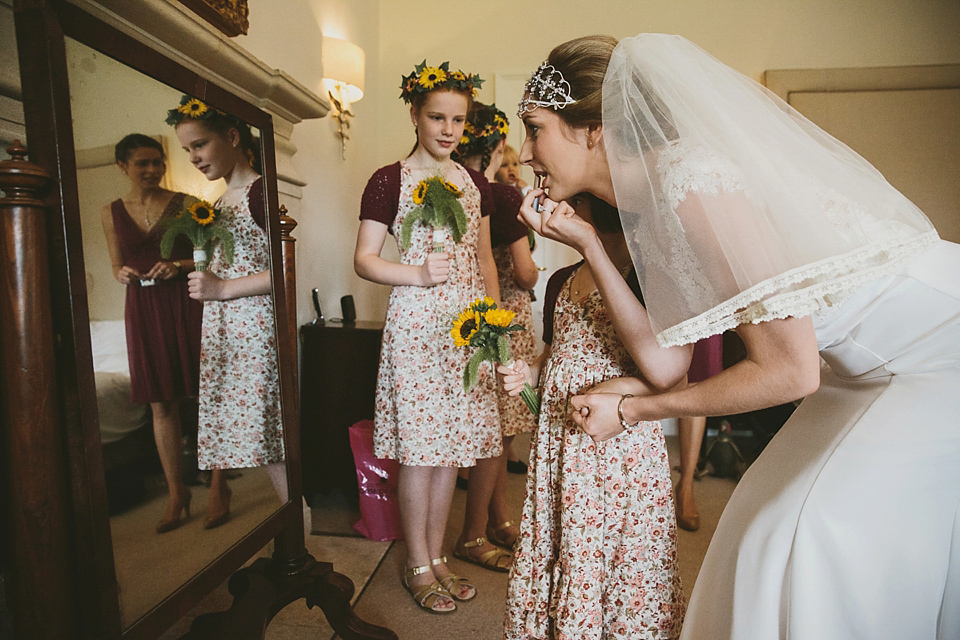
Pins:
x: 108, y: 339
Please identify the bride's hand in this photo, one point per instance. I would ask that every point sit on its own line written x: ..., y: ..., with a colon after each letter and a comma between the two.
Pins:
x: 557, y: 221
x: 596, y: 414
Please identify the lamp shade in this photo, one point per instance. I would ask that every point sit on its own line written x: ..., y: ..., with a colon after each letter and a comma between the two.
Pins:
x: 343, y: 66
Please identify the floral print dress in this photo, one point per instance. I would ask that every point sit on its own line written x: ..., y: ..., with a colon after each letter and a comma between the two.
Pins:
x: 515, y: 417
x: 239, y: 423
x: 423, y: 416
x: 596, y: 557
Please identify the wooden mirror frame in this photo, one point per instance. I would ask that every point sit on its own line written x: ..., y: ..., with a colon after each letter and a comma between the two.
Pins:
x: 60, y: 553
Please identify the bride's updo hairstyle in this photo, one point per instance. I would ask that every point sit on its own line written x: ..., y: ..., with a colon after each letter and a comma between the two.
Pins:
x: 583, y: 63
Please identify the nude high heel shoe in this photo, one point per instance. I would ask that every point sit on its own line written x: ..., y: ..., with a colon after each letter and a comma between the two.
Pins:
x: 214, y: 520
x: 183, y: 505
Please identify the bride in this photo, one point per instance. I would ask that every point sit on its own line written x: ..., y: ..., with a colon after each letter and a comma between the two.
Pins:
x: 741, y: 214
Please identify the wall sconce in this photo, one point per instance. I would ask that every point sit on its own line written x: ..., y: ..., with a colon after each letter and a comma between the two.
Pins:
x: 343, y: 64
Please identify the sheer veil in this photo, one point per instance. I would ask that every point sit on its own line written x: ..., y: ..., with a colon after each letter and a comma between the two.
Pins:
x: 736, y: 208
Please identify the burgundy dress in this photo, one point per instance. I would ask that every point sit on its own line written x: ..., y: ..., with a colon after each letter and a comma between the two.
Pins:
x: 707, y: 359
x: 163, y: 323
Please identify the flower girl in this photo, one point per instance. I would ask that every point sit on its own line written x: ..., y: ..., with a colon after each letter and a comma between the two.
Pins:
x: 424, y: 418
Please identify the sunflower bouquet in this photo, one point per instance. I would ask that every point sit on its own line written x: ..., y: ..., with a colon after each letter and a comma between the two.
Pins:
x: 484, y: 326
x: 439, y: 208
x: 198, y: 221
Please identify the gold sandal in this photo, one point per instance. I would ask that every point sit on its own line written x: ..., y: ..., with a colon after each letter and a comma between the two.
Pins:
x: 454, y: 583
x: 488, y: 560
x: 430, y: 595
x: 502, y: 541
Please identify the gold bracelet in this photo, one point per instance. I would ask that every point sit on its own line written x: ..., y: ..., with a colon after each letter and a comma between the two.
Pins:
x: 623, y: 423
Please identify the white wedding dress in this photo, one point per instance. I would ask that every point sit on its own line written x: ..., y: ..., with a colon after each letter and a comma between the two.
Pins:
x: 848, y: 525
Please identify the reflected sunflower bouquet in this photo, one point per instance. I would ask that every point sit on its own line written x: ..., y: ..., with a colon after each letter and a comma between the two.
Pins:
x: 439, y: 208
x: 484, y: 326
x: 198, y: 221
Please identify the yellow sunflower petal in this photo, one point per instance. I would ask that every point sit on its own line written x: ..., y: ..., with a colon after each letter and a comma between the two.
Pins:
x: 431, y: 77
x: 498, y: 317
x: 202, y: 213
x: 420, y: 192
x: 464, y: 327
x: 193, y: 108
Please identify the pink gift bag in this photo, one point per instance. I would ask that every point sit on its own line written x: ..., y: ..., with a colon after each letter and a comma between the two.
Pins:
x: 377, y: 484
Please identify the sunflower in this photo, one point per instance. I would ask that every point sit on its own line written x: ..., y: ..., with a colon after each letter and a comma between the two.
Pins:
x: 193, y: 108
x: 460, y: 76
x: 468, y: 127
x: 498, y: 317
x: 432, y: 76
x: 202, y: 212
x: 452, y: 188
x: 464, y: 140
x: 482, y: 304
x: 501, y: 124
x: 464, y: 327
x: 420, y: 192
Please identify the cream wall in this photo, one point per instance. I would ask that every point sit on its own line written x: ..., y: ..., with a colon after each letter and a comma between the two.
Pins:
x: 287, y: 34
x: 750, y: 35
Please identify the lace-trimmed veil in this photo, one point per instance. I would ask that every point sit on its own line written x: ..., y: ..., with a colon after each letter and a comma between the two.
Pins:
x: 736, y: 208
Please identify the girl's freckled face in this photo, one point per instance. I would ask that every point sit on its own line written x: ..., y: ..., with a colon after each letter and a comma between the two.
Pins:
x: 440, y: 122
x: 210, y: 152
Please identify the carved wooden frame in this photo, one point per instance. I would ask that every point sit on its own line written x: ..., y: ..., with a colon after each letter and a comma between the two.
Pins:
x: 229, y: 16
x: 63, y: 584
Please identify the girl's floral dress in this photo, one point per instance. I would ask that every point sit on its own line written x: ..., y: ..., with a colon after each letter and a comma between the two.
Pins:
x: 505, y: 229
x: 596, y: 557
x: 515, y: 417
x: 423, y: 416
x: 239, y: 381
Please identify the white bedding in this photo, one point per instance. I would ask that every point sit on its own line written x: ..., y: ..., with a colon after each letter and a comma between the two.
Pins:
x: 118, y: 416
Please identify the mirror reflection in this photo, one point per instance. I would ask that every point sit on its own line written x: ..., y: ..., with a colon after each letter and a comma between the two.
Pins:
x: 177, y: 260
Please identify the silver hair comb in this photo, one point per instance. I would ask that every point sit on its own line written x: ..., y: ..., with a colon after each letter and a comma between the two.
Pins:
x: 545, y: 88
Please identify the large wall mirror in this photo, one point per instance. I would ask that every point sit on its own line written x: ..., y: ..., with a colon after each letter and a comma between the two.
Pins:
x: 85, y: 87
x: 109, y: 101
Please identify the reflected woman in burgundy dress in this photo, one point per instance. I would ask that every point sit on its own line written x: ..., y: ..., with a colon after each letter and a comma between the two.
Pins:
x: 162, y: 322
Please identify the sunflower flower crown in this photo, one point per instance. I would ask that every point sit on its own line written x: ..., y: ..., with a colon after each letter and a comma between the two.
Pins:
x: 198, y: 220
x: 425, y: 79
x: 193, y: 109
x: 485, y: 127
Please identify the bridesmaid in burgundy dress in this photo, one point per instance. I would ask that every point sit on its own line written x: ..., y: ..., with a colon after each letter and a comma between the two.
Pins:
x: 162, y: 322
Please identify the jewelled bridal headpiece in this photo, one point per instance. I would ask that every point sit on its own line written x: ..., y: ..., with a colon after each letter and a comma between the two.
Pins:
x: 545, y: 88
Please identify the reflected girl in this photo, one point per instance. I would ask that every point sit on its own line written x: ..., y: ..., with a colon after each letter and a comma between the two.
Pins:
x: 240, y: 424
x: 162, y: 322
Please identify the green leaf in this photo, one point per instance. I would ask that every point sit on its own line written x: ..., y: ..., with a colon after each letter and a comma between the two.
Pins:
x: 503, y: 349
x: 472, y: 371
x: 176, y: 227
x: 460, y: 218
x: 407, y: 227
x: 225, y: 238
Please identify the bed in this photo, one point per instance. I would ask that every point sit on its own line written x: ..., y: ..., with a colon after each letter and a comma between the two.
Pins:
x: 126, y: 432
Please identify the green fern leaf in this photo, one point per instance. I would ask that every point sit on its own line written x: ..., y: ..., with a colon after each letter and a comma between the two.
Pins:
x: 503, y: 349
x: 225, y: 239
x: 406, y: 229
